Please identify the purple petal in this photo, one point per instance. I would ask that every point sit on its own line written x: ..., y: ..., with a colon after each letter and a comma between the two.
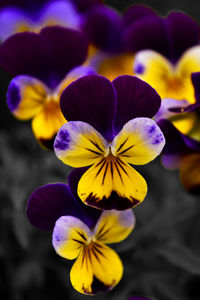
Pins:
x: 196, y: 84
x: 147, y: 33
x: 169, y: 36
x: 47, y: 56
x: 92, y: 214
x: 90, y: 99
x: 136, y: 12
x: 48, y: 203
x: 176, y: 142
x: 183, y: 33
x: 103, y: 25
x: 135, y: 98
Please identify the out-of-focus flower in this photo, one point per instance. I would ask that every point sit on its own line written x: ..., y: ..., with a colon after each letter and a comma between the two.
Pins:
x: 106, y: 29
x: 81, y: 232
x: 44, y: 64
x: 109, y: 128
x: 172, y: 54
x: 20, y: 16
x: 179, y: 121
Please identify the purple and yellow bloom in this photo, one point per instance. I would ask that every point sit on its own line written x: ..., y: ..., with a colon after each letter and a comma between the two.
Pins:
x: 109, y: 129
x: 179, y: 121
x: 171, y: 54
x: 43, y: 65
x: 106, y: 28
x: 82, y: 233
x: 21, y: 16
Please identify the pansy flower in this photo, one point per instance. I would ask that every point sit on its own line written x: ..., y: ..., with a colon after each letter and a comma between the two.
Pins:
x: 105, y: 28
x: 109, y: 129
x: 43, y: 65
x: 20, y: 16
x: 179, y: 121
x: 82, y: 233
x: 171, y: 54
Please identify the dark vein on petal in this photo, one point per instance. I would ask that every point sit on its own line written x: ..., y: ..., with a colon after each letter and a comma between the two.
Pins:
x: 101, y: 168
x: 119, y: 163
x: 93, y: 151
x: 82, y: 235
x: 122, y: 145
x: 96, y: 145
x: 126, y: 149
x: 94, y: 253
x: 111, y: 168
x: 78, y: 241
x: 119, y: 172
x: 102, y: 228
x: 99, y: 251
x: 104, y: 175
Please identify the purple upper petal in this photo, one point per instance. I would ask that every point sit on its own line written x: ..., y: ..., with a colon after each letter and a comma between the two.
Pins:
x: 176, y: 142
x: 170, y: 36
x: 92, y: 214
x: 47, y: 56
x: 90, y: 99
x: 182, y: 32
x: 196, y: 84
x: 135, y: 98
x: 103, y: 25
x: 136, y: 12
x: 48, y: 203
x: 147, y: 33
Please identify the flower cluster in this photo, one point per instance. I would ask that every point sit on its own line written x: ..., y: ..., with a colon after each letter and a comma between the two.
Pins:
x: 107, y: 91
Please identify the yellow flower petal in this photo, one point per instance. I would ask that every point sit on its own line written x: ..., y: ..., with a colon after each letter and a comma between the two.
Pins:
x: 139, y: 141
x: 170, y: 81
x: 69, y: 236
x: 98, y: 268
x: 114, y: 226
x: 46, y: 124
x: 26, y: 96
x: 78, y: 144
x: 112, y: 184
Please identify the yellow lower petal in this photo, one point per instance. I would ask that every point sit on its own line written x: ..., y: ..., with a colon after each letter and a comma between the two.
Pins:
x: 97, y: 269
x: 46, y: 124
x: 112, y: 184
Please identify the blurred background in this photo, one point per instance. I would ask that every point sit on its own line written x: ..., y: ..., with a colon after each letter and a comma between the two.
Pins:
x: 161, y: 257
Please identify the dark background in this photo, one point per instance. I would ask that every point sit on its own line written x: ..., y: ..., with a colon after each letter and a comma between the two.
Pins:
x: 161, y: 257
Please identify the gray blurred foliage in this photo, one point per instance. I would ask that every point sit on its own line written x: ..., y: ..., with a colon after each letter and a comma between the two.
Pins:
x: 161, y: 257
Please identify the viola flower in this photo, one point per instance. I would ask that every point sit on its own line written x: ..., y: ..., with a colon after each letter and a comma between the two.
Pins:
x: 43, y: 65
x: 81, y: 232
x: 109, y: 129
x: 105, y: 28
x: 171, y: 54
x: 180, y: 124
x: 20, y: 16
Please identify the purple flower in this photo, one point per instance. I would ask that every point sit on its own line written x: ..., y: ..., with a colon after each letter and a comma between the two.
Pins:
x: 109, y: 128
x: 43, y: 65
